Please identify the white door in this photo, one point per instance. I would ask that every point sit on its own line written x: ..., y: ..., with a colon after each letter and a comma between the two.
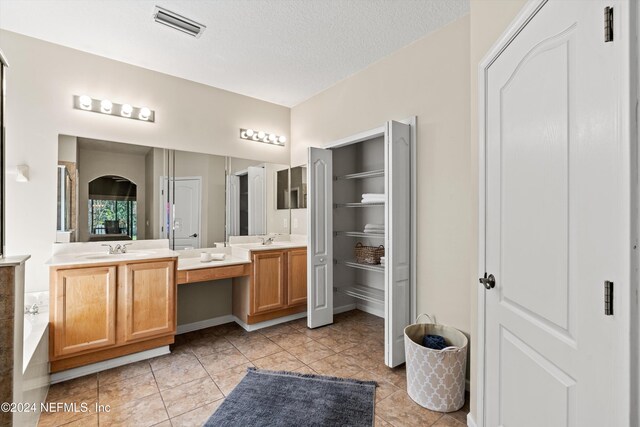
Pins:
x: 320, y: 247
x: 233, y: 206
x: 557, y: 223
x: 397, y: 304
x: 257, y: 200
x: 186, y: 221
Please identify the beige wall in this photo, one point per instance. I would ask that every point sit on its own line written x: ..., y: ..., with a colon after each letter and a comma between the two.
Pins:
x: 41, y: 81
x: 489, y: 19
x: 429, y: 79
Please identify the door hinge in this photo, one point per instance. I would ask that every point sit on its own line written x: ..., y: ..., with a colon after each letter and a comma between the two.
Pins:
x: 608, y: 24
x: 608, y: 298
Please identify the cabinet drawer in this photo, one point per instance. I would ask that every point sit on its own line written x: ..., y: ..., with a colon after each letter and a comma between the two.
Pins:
x: 213, y: 273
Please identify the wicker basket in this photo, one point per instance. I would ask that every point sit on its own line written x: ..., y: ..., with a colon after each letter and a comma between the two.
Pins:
x: 368, y: 254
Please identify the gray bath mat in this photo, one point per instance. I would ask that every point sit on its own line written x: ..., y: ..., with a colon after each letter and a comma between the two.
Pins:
x: 278, y: 399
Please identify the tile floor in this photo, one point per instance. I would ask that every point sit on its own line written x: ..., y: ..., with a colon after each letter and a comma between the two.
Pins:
x: 185, y: 387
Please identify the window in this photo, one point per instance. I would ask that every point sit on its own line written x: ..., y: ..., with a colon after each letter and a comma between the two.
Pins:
x: 113, y: 217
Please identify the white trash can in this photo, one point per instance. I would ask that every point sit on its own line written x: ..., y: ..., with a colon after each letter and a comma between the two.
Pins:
x: 436, y: 378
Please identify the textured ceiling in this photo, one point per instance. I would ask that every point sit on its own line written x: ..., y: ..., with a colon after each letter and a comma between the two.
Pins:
x: 282, y: 51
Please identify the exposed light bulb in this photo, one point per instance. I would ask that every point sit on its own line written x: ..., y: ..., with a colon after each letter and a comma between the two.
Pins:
x: 243, y: 134
x: 249, y: 132
x: 106, y: 106
x: 255, y: 137
x: 272, y: 137
x: 85, y: 102
x: 144, y: 114
x: 282, y: 139
x: 261, y: 135
x: 126, y: 110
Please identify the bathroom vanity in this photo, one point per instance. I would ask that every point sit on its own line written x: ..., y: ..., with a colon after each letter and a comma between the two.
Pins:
x: 108, y: 305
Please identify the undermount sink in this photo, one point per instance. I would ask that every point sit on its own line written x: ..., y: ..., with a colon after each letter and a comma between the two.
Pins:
x: 116, y: 256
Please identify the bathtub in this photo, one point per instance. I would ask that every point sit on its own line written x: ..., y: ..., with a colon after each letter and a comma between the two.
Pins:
x: 32, y: 383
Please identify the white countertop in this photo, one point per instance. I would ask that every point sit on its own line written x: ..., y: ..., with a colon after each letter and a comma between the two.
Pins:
x: 195, y: 263
x: 88, y: 253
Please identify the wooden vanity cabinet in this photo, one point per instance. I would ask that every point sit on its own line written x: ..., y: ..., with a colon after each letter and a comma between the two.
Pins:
x: 276, y: 287
x: 268, y: 281
x: 106, y: 311
x: 297, y: 276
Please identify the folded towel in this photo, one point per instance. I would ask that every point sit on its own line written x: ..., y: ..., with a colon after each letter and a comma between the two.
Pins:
x: 217, y: 257
x: 372, y: 201
x: 374, y: 226
x: 435, y: 342
x: 373, y: 195
x: 374, y: 231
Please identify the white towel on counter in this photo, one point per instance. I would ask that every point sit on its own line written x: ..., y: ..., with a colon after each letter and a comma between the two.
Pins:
x: 217, y: 257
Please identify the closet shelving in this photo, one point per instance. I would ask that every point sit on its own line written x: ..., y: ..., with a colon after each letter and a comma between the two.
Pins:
x: 360, y: 234
x: 362, y: 292
x: 377, y: 161
x: 361, y: 175
x: 370, y: 267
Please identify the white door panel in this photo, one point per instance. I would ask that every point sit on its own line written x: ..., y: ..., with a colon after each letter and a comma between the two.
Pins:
x: 320, y: 248
x: 398, y: 240
x: 257, y: 200
x: 233, y: 206
x: 555, y: 192
x: 186, y: 221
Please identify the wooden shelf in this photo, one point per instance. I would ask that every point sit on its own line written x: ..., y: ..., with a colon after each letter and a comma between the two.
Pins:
x: 363, y: 292
x: 360, y: 234
x: 361, y: 175
x: 358, y: 205
x: 369, y: 267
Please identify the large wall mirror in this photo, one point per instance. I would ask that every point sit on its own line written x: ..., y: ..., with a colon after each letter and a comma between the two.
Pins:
x: 112, y: 191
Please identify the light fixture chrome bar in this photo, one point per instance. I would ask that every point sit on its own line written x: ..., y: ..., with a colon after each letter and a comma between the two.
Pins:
x: 104, y: 106
x: 178, y: 22
x: 262, y: 136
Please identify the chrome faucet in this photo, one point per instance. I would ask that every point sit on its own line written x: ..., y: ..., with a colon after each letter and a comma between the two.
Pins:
x: 118, y: 249
x: 31, y: 309
x: 267, y: 240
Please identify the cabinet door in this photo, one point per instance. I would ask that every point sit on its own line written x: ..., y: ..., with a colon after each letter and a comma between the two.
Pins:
x: 297, y: 276
x: 84, y: 312
x: 146, y: 300
x: 267, y: 281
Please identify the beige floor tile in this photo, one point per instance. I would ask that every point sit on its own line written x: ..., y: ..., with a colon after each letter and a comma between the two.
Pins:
x: 123, y: 372
x: 171, y: 360
x: 88, y: 421
x: 310, y: 352
x: 189, y: 396
x: 147, y: 411
x: 281, y: 361
x: 290, y: 340
x: 165, y: 423
x: 298, y: 324
x: 197, y: 417
x: 384, y: 389
x: 447, y: 421
x: 70, y: 388
x: 379, y: 422
x: 228, y: 379
x: 336, y: 365
x: 116, y: 393
x: 58, y: 416
x: 337, y: 342
x: 315, y: 333
x: 179, y: 374
x: 401, y: 411
x: 224, y: 360
x: 209, y: 345
x: 272, y: 331
x: 258, y: 348
x: 305, y: 370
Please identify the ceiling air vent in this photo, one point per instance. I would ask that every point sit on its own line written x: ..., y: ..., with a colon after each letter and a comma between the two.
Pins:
x: 179, y: 22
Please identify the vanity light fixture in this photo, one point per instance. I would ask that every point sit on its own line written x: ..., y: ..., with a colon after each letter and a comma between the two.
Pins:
x: 262, y: 136
x: 105, y: 106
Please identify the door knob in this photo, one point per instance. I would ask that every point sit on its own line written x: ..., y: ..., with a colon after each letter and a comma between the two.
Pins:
x: 321, y: 259
x: 194, y: 235
x: 489, y: 281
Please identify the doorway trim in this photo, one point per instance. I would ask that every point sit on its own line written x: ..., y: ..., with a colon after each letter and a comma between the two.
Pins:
x: 168, y: 234
x: 629, y: 134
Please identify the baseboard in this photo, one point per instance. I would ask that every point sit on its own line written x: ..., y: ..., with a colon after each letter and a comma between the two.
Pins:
x: 470, y: 421
x: 93, y: 368
x: 203, y: 324
x: 344, y: 308
x: 267, y: 323
x: 371, y: 310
